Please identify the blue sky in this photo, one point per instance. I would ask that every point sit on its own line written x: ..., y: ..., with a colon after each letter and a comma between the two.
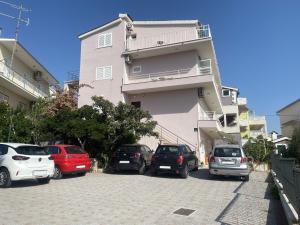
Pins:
x: 257, y: 42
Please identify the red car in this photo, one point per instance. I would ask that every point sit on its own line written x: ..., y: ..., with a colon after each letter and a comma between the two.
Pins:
x: 69, y: 159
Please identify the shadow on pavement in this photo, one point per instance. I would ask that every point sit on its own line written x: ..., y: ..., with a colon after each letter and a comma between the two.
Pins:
x: 203, y: 174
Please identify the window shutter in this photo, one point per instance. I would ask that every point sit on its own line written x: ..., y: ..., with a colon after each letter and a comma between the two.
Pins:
x: 101, y: 40
x: 108, y: 72
x: 100, y: 73
x: 108, y: 39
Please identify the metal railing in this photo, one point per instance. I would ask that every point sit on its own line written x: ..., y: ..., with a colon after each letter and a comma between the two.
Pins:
x: 257, y: 118
x: 209, y: 115
x: 20, y: 81
x: 203, y: 68
x: 168, y: 38
x: 289, y: 176
x: 166, y: 135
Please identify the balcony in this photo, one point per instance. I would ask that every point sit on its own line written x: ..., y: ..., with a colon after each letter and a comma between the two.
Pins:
x: 242, y: 101
x: 168, y: 38
x: 169, y: 80
x: 256, y: 133
x: 244, y: 123
x: 172, y: 42
x: 210, y: 124
x: 18, y: 84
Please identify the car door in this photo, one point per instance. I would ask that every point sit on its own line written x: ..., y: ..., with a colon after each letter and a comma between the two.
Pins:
x: 186, y: 155
x: 55, y: 153
x: 191, y: 157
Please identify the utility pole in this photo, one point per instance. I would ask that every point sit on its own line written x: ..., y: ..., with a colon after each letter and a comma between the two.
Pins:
x: 18, y: 19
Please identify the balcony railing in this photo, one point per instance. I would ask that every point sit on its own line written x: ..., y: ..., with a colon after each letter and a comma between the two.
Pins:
x: 168, y: 38
x: 203, y: 68
x: 242, y: 101
x: 209, y: 115
x: 21, y: 82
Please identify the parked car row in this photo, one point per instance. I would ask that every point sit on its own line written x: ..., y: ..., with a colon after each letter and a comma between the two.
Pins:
x: 25, y: 161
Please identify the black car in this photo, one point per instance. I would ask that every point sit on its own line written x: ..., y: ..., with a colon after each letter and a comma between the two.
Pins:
x: 132, y: 157
x: 179, y: 159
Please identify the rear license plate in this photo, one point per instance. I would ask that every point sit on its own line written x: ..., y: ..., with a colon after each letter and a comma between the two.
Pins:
x: 124, y: 162
x: 228, y: 163
x: 165, y: 167
x: 80, y: 166
x: 40, y: 173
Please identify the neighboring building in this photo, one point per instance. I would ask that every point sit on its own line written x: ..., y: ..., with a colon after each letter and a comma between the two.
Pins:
x: 166, y: 67
x: 289, y: 118
x: 27, y: 80
x: 251, y: 126
x: 279, y: 140
x: 230, y: 119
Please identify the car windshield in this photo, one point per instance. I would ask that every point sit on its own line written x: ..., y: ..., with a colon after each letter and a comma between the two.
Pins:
x: 228, y: 152
x: 31, y: 150
x: 167, y: 149
x: 127, y: 149
x: 74, y: 150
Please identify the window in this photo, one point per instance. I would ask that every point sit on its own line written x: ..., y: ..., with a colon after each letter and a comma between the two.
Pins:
x: 228, y: 152
x: 31, y: 150
x: 226, y: 92
x: 167, y: 149
x: 136, y: 104
x: 104, y: 40
x: 136, y: 69
x: 53, y: 150
x: 74, y: 150
x: 104, y: 73
x: 3, y: 97
x: 3, y: 149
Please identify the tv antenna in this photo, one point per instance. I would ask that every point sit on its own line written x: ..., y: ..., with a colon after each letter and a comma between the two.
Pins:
x: 19, y: 19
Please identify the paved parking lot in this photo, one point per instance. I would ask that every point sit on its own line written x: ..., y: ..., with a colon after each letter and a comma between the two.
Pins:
x: 129, y: 198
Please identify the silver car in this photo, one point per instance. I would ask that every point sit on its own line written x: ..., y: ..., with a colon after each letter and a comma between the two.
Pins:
x: 229, y: 160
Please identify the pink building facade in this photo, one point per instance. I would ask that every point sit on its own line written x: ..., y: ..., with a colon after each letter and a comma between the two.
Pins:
x: 166, y: 67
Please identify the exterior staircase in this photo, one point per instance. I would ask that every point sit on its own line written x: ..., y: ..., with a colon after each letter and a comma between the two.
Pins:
x: 166, y: 136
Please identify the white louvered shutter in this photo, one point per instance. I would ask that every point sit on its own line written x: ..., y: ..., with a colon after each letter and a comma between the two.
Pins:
x: 100, y: 73
x: 108, y: 72
x: 101, y: 40
x: 108, y: 39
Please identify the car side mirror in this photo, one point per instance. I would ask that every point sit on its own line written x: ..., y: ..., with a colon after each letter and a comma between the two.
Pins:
x: 194, y: 152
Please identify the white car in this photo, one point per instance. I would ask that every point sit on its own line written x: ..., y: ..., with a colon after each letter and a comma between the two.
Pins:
x: 24, y: 162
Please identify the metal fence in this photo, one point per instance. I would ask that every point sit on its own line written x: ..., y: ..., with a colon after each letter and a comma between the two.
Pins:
x: 289, y: 176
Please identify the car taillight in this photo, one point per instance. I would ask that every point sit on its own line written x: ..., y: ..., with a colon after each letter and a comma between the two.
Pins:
x: 212, y: 159
x: 50, y: 158
x: 137, y: 155
x: 153, y: 158
x: 20, y: 157
x: 244, y: 159
x: 180, y: 160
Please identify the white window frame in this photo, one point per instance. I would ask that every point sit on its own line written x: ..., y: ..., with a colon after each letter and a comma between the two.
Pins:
x: 104, y: 40
x: 104, y: 76
x: 135, y: 67
x: 228, y: 92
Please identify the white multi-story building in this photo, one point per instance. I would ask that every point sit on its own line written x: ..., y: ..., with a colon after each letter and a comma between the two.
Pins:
x: 25, y: 80
x: 166, y: 67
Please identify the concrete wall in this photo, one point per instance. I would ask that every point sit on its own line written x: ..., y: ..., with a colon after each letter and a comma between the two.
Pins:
x: 175, y: 110
x: 93, y: 57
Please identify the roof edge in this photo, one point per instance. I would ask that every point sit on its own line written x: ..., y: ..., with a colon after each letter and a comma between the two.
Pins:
x: 285, y: 107
x: 165, y: 22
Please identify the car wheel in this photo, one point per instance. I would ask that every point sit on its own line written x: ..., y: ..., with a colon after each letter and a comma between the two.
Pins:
x: 185, y: 172
x: 153, y: 173
x: 246, y: 178
x: 142, y: 168
x: 196, y: 166
x: 5, y: 180
x: 57, y: 173
x: 44, y: 180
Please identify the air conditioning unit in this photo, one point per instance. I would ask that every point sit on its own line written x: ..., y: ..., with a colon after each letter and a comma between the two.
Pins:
x: 37, y: 75
x: 129, y: 26
x: 128, y: 59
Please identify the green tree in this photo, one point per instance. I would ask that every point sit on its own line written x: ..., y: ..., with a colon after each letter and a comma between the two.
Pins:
x: 259, y: 149
x: 4, y: 121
